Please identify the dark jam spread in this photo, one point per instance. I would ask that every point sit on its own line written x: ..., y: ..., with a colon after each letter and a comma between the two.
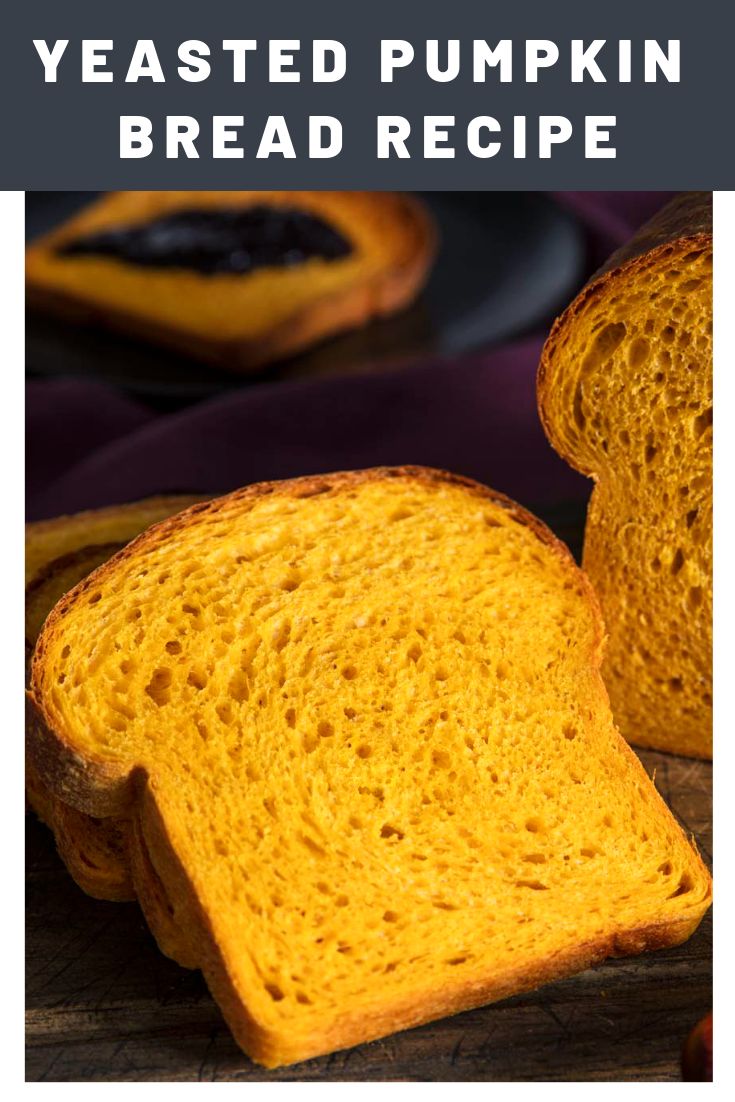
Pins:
x: 218, y: 240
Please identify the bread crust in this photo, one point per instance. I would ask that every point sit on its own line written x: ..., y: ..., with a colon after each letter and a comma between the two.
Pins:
x: 383, y: 293
x: 684, y: 224
x: 683, y: 227
x: 52, y: 570
x: 99, y: 791
x: 93, y: 850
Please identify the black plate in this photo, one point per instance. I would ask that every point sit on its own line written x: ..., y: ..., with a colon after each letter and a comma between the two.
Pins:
x: 508, y: 262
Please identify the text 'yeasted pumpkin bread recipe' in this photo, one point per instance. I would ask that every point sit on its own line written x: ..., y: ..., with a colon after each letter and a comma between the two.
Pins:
x: 358, y: 726
x: 238, y: 278
x: 625, y: 394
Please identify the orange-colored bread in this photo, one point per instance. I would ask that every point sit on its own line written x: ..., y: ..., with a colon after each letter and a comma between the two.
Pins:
x: 358, y: 724
x: 238, y: 320
x: 625, y: 394
x: 59, y: 553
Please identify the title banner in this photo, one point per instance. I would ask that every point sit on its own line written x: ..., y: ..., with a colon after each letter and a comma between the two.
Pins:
x: 400, y: 94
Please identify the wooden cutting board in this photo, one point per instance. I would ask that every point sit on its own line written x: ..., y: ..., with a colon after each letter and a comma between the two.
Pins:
x: 104, y: 1004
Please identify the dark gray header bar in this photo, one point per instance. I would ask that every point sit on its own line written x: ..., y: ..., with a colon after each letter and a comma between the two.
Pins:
x: 388, y: 94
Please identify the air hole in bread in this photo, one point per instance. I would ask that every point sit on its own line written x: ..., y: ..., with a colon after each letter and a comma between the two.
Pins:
x: 638, y: 352
x: 197, y: 679
x: 606, y: 341
x: 678, y: 561
x: 225, y: 713
x: 311, y: 845
x: 695, y: 597
x: 441, y: 759
x: 577, y: 408
x: 159, y: 686
x: 702, y: 422
x: 238, y: 688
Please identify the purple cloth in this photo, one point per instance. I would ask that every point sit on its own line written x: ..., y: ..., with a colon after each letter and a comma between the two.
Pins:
x: 89, y: 445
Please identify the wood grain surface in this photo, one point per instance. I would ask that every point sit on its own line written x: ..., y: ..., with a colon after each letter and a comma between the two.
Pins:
x: 104, y: 1004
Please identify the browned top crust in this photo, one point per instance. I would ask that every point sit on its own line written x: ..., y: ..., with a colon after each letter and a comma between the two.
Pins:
x: 683, y: 222
x: 687, y: 215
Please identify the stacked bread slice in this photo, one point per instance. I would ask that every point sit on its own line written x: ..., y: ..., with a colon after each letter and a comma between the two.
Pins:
x: 356, y: 729
x: 58, y: 554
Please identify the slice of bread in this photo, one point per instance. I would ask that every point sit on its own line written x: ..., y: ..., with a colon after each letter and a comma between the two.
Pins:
x: 56, y: 578
x: 48, y: 540
x: 237, y: 320
x: 59, y: 553
x: 358, y: 724
x: 625, y: 394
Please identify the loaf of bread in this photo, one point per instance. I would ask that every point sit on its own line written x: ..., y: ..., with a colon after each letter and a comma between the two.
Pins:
x: 59, y: 553
x: 625, y: 394
x: 239, y: 278
x: 358, y: 726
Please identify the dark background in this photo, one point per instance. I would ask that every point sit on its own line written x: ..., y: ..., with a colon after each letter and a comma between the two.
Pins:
x: 449, y: 384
